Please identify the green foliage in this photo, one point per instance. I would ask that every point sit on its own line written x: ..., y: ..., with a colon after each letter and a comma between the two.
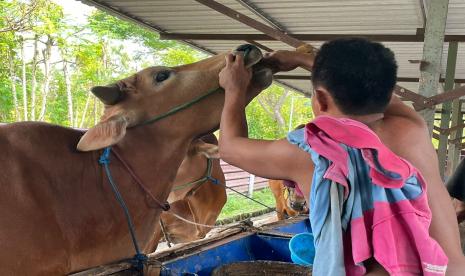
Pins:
x: 6, y: 102
x: 237, y: 204
x: 48, y: 18
x: 99, y: 52
x: 106, y: 26
x: 57, y: 102
x: 262, y: 125
x: 181, y: 55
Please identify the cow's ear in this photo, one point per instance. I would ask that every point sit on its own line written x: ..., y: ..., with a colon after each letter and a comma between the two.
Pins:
x: 209, y: 150
x: 109, y: 95
x: 104, y: 134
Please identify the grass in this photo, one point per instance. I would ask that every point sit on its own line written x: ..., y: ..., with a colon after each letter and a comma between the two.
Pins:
x: 237, y: 204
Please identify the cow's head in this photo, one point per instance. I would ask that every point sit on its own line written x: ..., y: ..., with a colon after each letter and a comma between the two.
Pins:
x: 295, y: 200
x: 156, y: 90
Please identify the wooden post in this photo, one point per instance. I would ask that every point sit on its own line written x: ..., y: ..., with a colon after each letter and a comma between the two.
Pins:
x: 432, y: 54
x: 251, y: 184
x: 446, y: 107
x: 453, y: 157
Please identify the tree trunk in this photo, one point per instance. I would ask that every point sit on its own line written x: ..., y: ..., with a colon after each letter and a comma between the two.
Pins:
x: 23, y: 60
x: 84, y: 113
x: 47, y: 54
x: 33, y: 79
x: 277, y: 110
x: 273, y: 108
x: 95, y: 111
x: 69, y: 96
x: 279, y: 119
x: 11, y: 66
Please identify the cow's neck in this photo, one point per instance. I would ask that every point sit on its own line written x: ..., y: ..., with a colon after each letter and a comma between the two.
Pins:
x: 154, y: 157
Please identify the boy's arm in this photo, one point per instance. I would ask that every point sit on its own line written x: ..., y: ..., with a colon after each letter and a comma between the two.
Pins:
x: 283, y: 60
x: 272, y: 159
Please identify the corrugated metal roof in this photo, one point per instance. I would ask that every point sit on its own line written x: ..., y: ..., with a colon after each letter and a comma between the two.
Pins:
x: 300, y: 17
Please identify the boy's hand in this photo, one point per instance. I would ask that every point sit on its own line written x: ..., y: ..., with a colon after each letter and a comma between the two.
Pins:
x: 283, y: 60
x: 235, y: 77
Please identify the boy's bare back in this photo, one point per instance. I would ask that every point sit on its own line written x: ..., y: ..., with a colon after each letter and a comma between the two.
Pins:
x: 399, y: 127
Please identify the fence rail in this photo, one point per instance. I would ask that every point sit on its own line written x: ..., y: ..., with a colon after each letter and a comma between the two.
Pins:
x: 239, y: 179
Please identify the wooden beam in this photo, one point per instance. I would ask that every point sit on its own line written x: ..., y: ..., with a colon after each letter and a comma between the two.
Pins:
x: 271, y: 32
x: 259, y: 45
x: 409, y: 95
x: 305, y: 37
x: 265, y: 17
x: 308, y: 77
x: 408, y: 79
x: 444, y: 97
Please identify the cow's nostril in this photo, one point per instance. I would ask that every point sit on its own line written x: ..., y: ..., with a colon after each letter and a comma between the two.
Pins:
x: 246, y: 47
x: 252, y: 55
x: 243, y: 47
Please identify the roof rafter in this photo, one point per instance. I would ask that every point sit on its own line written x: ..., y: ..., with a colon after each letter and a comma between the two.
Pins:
x: 265, y: 17
x: 292, y: 41
x: 419, y: 37
x: 399, y: 79
x: 276, y: 34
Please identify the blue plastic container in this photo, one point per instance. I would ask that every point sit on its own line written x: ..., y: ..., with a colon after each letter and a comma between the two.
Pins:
x: 302, y: 249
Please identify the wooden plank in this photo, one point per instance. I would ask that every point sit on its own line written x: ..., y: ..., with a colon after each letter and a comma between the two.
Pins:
x: 446, y: 96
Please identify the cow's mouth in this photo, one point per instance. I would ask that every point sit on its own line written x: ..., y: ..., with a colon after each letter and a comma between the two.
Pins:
x: 297, y: 206
x: 262, y: 76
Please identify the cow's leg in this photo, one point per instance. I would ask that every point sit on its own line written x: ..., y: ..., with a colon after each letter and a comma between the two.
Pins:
x: 280, y: 209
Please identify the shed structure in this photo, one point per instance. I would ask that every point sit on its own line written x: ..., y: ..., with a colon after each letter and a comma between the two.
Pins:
x: 427, y: 37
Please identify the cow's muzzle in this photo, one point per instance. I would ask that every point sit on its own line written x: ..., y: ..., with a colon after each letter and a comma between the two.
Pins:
x: 262, y: 75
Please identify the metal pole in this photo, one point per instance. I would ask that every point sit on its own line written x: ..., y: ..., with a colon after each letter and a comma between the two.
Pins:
x: 432, y: 52
x: 446, y: 107
x: 291, y: 115
x: 251, y: 184
x: 453, y: 157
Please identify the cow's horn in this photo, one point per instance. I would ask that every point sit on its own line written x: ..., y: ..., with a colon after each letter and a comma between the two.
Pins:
x: 109, y: 95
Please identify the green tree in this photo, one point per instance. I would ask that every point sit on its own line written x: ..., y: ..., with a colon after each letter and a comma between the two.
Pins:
x: 268, y: 115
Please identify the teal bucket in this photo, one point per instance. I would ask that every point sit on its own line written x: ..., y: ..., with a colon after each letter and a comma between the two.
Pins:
x: 302, y: 249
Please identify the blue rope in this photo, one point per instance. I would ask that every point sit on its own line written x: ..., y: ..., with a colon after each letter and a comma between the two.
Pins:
x: 139, y: 259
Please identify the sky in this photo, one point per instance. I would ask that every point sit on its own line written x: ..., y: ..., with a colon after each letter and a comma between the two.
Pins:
x: 75, y: 9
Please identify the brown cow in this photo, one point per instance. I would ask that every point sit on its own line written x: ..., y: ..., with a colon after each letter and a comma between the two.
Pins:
x: 58, y: 213
x: 200, y: 202
x: 289, y: 202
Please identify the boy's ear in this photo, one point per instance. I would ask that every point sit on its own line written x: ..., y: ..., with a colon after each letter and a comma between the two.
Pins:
x: 322, y: 99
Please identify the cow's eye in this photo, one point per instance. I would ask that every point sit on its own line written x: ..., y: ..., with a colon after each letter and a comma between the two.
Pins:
x: 162, y: 75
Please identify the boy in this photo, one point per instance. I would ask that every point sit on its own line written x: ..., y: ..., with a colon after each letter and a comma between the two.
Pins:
x: 352, y: 78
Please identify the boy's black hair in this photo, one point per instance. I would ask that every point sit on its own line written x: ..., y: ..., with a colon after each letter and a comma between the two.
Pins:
x: 359, y: 74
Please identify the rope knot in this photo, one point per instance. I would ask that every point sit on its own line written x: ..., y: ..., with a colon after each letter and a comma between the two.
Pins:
x: 165, y: 206
x: 104, y: 159
x: 139, y: 260
x: 213, y: 180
